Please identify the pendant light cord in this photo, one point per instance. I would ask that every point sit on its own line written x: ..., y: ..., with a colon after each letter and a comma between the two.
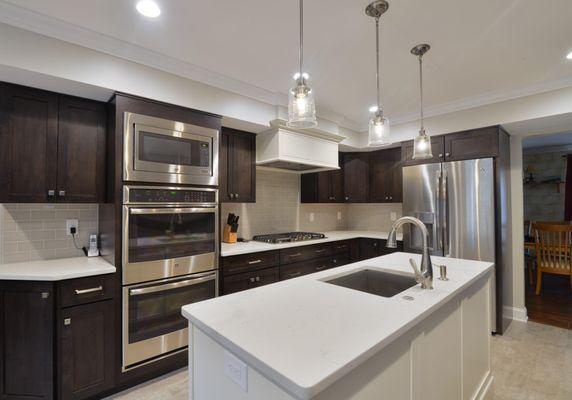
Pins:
x: 301, y: 54
x: 421, y: 88
x: 377, y: 73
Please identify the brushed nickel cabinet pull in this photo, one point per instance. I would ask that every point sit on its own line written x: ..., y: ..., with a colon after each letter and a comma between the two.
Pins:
x: 295, y: 255
x: 62, y: 193
x: 45, y: 295
x: 257, y: 279
x: 320, y: 268
x: 236, y: 195
x: 67, y: 321
x: 320, y: 250
x: 251, y: 280
x: 254, y: 262
x: 91, y: 290
x: 51, y: 193
x: 292, y: 274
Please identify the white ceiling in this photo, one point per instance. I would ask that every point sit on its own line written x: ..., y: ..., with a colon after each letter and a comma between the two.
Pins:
x: 482, y: 51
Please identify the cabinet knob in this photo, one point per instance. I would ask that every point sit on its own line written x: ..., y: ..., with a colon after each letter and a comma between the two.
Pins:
x: 236, y: 195
x: 51, y: 193
x: 390, y: 197
x: 347, y: 198
x: 251, y: 280
x: 231, y: 195
x: 62, y: 193
x: 45, y: 295
x: 67, y: 321
x: 257, y: 279
x: 447, y: 154
x: 440, y: 155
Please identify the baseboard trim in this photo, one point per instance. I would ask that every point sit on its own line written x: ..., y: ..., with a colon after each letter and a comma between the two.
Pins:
x: 486, y: 391
x: 515, y: 313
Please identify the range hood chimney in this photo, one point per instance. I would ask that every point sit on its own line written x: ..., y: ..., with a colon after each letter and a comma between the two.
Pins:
x: 299, y: 151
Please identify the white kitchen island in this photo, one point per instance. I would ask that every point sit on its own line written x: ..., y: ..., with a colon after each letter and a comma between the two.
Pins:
x: 308, y: 339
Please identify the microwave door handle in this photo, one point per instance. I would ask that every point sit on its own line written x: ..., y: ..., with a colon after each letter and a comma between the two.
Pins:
x: 171, y: 286
x: 168, y: 210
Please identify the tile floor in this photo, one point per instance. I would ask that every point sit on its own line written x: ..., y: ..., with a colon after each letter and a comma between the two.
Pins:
x: 530, y: 362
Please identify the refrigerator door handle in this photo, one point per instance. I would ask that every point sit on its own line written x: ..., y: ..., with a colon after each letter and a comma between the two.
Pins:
x: 445, y: 217
x: 437, y: 231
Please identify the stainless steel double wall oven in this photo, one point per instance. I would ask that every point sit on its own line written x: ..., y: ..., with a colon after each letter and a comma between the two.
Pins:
x: 170, y: 237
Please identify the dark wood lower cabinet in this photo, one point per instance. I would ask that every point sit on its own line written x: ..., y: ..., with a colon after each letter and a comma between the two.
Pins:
x: 50, y: 351
x: 27, y: 341
x: 249, y: 280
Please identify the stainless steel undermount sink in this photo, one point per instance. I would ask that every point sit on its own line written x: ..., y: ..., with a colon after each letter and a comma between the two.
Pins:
x: 376, y: 282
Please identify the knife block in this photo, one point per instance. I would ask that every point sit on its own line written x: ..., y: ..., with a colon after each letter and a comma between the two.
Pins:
x: 228, y: 236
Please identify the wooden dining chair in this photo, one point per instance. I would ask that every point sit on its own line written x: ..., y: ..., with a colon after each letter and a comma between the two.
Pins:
x: 553, y: 250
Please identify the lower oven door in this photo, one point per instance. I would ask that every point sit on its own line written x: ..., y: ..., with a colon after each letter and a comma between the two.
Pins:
x: 153, y: 326
x: 164, y: 242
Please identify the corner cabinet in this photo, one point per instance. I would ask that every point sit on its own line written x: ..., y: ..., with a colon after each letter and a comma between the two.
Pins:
x: 57, y: 339
x: 386, y: 176
x: 237, y: 166
x: 52, y: 147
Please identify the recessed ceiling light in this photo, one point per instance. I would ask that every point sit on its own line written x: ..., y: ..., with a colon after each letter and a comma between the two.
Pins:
x: 569, y: 56
x: 148, y: 8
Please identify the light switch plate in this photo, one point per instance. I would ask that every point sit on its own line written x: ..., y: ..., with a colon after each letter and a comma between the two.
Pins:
x: 393, y: 216
x: 72, y: 223
x: 236, y: 370
x: 311, y: 217
x: 339, y: 215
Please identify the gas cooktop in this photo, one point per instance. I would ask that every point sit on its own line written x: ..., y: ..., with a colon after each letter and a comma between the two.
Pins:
x: 288, y: 237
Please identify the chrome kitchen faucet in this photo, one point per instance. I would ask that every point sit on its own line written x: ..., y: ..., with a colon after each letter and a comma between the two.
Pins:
x: 425, y: 275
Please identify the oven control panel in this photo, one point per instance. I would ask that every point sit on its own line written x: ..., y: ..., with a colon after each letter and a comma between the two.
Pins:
x: 169, y: 195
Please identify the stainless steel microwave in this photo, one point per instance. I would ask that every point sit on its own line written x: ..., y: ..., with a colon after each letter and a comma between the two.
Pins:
x: 162, y: 151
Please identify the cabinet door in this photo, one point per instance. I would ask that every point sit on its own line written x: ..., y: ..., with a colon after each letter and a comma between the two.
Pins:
x: 381, y: 178
x: 241, y: 167
x: 369, y: 248
x: 81, y: 151
x: 324, y: 187
x: 469, y: 145
x: 28, y: 144
x: 309, y: 188
x: 27, y: 341
x: 356, y: 177
x: 337, y: 182
x: 437, y: 148
x: 86, y: 350
x: 223, y: 166
x: 395, y: 173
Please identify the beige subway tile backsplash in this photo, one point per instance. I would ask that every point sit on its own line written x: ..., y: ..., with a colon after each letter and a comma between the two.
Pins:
x: 31, y: 232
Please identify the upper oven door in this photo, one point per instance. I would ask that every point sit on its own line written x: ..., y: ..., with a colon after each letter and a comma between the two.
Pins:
x: 168, y: 241
x: 159, y: 150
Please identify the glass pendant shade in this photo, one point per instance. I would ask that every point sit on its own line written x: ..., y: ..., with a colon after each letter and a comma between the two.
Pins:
x: 422, y: 146
x: 301, y: 106
x: 378, y: 134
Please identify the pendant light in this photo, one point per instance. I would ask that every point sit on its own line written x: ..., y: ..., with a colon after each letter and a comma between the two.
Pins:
x: 422, y: 142
x: 378, y: 134
x: 301, y: 105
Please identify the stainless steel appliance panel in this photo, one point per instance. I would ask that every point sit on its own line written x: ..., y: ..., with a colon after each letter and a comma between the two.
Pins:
x: 153, y: 326
x: 421, y: 200
x: 468, y: 214
x: 167, y: 162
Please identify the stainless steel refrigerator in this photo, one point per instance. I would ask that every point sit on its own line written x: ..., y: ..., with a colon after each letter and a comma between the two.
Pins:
x: 456, y: 200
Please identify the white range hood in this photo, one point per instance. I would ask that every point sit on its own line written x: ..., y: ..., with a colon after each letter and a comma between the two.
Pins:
x: 300, y: 151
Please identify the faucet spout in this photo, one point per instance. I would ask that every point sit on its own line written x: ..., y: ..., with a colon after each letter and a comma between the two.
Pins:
x: 424, y: 275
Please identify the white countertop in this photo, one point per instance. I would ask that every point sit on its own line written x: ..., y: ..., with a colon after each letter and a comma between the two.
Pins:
x: 234, y: 249
x: 304, y: 334
x: 56, y: 270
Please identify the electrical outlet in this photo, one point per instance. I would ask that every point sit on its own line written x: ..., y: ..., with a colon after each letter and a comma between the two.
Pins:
x: 339, y: 215
x: 393, y: 216
x: 312, y: 217
x: 236, y: 370
x: 72, y: 223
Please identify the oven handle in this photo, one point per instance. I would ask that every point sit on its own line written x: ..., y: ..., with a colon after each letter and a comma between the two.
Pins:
x: 171, y: 286
x: 170, y: 210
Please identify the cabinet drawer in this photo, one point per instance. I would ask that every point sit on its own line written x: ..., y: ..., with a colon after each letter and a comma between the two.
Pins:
x: 340, y: 259
x: 305, y: 267
x: 340, y: 247
x: 86, y: 290
x: 249, y: 262
x: 249, y: 280
x: 302, y: 253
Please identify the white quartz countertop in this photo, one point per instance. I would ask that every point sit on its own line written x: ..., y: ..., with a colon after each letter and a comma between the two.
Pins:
x: 56, y: 270
x: 304, y: 334
x: 234, y: 249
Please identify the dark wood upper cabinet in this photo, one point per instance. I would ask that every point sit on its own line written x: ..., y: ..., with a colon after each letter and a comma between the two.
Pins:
x: 85, y: 348
x: 356, y: 177
x: 28, y: 144
x: 437, y: 148
x: 27, y: 340
x: 309, y: 188
x: 469, y: 145
x: 386, y: 177
x: 237, y: 166
x: 52, y: 147
x: 81, y: 151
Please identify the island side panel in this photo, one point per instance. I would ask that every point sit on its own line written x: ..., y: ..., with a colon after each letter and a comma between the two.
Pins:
x: 207, y: 380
